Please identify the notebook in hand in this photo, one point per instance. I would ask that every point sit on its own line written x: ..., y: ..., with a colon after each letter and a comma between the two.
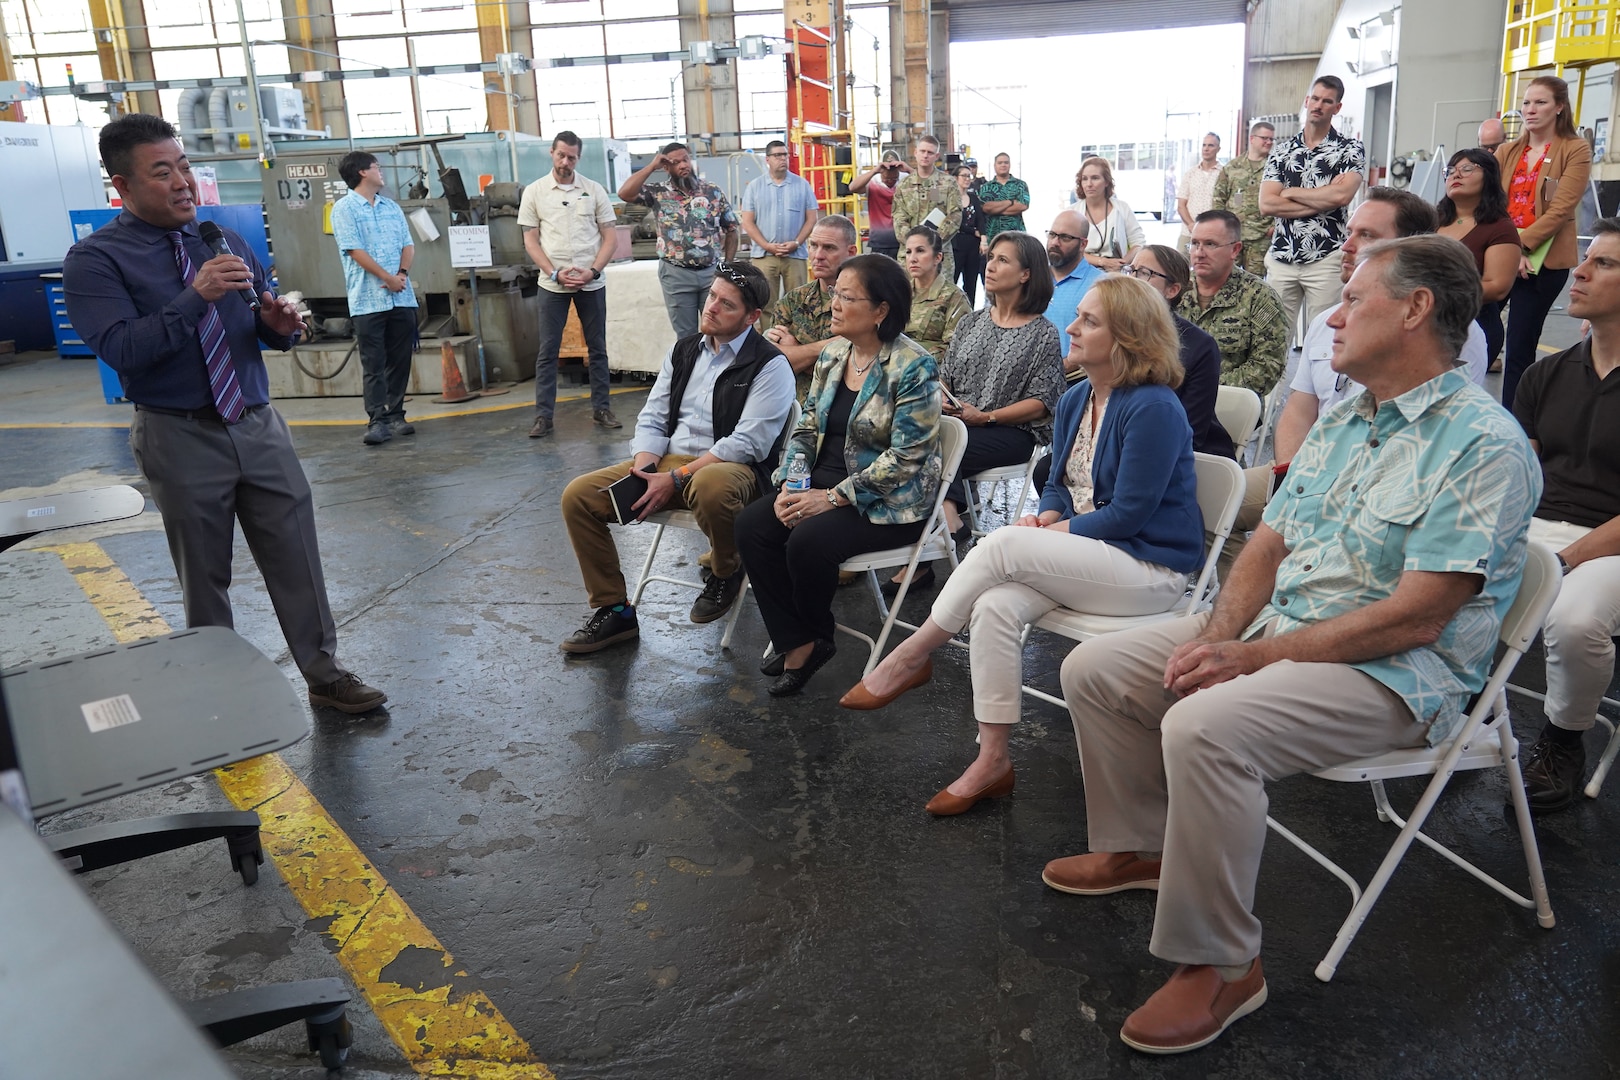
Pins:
x: 624, y: 492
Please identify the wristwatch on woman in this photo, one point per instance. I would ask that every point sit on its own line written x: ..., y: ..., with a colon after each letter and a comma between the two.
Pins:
x: 990, y: 420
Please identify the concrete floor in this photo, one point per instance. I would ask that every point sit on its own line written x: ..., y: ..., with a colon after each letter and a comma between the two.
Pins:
x: 654, y: 870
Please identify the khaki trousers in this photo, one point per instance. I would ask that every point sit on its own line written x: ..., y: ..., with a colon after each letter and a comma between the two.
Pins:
x: 1580, y: 630
x: 1256, y: 493
x: 1188, y: 776
x: 716, y: 494
x: 1315, y: 287
x: 783, y: 272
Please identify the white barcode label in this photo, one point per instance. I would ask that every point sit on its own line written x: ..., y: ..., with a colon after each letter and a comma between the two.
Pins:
x: 110, y: 712
x: 42, y: 511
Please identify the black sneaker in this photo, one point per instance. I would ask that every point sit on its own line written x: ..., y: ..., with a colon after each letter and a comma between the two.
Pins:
x: 719, y: 593
x: 401, y: 427
x: 605, y: 418
x: 541, y: 428
x: 1552, y: 774
x: 609, y: 626
x: 376, y: 434
x: 349, y: 694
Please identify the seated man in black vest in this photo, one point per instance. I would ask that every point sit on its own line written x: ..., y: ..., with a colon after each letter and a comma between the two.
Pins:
x: 707, y: 438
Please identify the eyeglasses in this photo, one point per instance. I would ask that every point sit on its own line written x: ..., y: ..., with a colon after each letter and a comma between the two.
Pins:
x: 1064, y: 237
x: 777, y: 153
x: 1264, y: 138
x: 1212, y: 245
x: 1143, y: 272
x: 846, y: 298
x: 1467, y: 169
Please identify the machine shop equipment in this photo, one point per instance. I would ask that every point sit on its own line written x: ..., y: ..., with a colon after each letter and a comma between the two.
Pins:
x: 300, y: 188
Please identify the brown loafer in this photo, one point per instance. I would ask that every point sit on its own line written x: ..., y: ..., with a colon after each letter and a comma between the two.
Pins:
x: 859, y: 697
x: 1101, y: 872
x: 947, y: 805
x: 1192, y: 1009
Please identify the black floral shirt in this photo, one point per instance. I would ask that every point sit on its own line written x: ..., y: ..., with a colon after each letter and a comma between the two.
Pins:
x: 1295, y: 165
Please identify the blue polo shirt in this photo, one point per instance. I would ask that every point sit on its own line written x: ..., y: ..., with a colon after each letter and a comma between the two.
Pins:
x: 1067, y: 292
x: 779, y: 209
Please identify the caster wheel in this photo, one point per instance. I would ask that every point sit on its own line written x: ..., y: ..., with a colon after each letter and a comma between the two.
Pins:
x: 331, y: 1040
x: 247, y: 864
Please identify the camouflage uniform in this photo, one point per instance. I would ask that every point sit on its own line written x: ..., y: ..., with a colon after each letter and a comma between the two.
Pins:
x: 915, y: 198
x: 807, y: 313
x: 1246, y: 320
x: 935, y: 313
x: 1238, y: 189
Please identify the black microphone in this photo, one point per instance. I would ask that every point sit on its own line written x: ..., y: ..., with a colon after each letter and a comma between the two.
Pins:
x: 215, y: 238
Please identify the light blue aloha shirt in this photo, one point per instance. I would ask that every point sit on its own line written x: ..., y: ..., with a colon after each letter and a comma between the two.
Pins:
x: 380, y: 231
x: 1439, y: 479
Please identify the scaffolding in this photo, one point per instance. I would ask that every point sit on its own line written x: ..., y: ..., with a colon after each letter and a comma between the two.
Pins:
x: 1555, y: 36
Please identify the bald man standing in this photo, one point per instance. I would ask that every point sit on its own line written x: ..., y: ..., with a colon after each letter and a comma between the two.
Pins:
x: 1491, y: 135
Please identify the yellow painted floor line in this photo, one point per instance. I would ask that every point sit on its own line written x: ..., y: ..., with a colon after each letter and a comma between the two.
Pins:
x: 522, y: 401
x: 444, y: 1029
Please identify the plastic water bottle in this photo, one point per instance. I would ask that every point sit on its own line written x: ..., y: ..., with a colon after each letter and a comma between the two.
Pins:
x: 798, y: 474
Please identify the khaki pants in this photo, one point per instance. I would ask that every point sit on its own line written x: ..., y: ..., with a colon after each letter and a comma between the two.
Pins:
x: 1256, y: 493
x: 1580, y: 630
x: 783, y: 272
x: 716, y: 494
x: 1188, y: 777
x: 1315, y: 287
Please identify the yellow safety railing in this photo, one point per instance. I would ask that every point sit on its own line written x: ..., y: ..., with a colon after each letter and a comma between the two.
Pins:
x: 1552, y: 35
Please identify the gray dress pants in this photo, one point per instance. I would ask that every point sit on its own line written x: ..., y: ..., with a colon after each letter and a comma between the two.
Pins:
x: 206, y: 476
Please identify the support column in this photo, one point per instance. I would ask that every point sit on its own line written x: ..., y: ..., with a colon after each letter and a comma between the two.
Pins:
x: 504, y: 27
x: 312, y: 46
x: 11, y: 110
x: 914, y: 107
x: 711, y: 89
x: 114, y: 46
x: 939, y: 64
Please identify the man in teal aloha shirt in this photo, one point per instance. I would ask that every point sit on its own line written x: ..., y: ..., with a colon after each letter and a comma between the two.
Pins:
x: 1005, y: 198
x: 1357, y: 621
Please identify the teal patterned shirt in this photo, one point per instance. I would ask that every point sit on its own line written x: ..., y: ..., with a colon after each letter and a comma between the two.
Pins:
x: 1439, y: 479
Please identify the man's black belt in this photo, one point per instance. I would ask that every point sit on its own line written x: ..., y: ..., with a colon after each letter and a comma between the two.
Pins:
x: 687, y: 266
x: 207, y: 412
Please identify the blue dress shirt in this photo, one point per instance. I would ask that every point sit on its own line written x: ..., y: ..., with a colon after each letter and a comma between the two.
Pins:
x: 769, y: 401
x: 127, y: 301
x: 378, y: 228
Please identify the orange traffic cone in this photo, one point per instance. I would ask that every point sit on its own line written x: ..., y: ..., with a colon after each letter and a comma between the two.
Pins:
x: 455, y: 390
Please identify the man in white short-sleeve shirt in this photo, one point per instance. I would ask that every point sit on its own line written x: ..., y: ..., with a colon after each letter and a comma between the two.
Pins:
x: 567, y: 223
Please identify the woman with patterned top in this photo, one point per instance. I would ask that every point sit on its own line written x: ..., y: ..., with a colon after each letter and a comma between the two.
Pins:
x: 1003, y: 374
x: 1544, y: 172
x: 870, y: 436
x: 1119, y: 531
x: 936, y: 304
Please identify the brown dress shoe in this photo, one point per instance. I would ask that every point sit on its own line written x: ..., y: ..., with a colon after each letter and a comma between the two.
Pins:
x: 1192, y: 1009
x: 947, y: 805
x: 1101, y: 872
x: 860, y: 698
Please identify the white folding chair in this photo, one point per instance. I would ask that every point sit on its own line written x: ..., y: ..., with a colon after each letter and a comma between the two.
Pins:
x: 1484, y: 741
x: 685, y: 519
x: 934, y: 543
x: 1002, y: 474
x: 1239, y: 410
x: 1220, y: 496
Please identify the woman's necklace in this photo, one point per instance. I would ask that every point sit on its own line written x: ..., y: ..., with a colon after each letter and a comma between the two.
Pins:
x: 861, y: 369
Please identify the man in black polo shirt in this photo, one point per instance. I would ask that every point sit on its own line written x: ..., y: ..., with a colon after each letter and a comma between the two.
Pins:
x: 706, y: 438
x: 1569, y: 405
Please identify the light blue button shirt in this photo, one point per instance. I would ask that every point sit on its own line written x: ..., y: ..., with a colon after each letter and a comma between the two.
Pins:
x: 766, y: 410
x: 1440, y: 479
x: 1067, y: 292
x: 378, y: 228
x: 779, y: 209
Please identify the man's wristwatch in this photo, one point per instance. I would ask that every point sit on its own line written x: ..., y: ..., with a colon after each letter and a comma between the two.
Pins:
x: 832, y: 496
x: 554, y: 274
x: 596, y: 273
x: 1562, y: 565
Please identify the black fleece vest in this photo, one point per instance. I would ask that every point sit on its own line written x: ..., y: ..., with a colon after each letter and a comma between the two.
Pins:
x: 730, y: 391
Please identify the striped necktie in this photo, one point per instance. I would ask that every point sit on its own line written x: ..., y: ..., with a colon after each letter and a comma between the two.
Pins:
x: 216, y: 350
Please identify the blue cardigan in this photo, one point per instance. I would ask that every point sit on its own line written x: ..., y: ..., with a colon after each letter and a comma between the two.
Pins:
x: 1143, y: 483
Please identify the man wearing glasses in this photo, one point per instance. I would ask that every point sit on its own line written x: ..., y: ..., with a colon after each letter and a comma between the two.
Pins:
x: 705, y: 441
x: 1237, y: 309
x: 1238, y: 189
x: 778, y: 211
x: 1072, y: 276
x: 801, y: 322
